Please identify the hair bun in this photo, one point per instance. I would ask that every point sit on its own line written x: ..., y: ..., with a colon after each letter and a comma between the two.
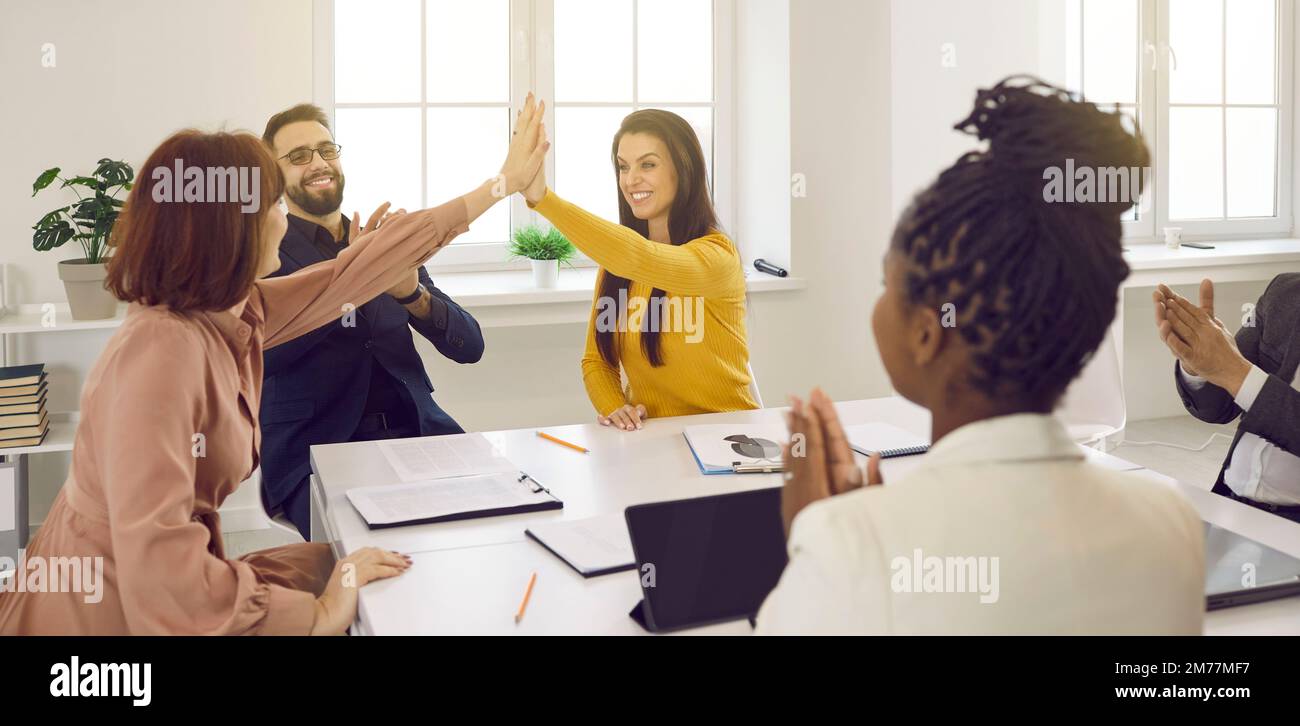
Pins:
x: 1032, y: 126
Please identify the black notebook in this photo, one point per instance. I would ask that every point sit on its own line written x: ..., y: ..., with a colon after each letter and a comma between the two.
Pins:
x: 451, y: 499
x: 21, y: 375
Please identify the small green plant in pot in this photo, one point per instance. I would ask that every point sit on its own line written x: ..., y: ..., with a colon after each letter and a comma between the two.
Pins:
x: 89, y: 221
x: 546, y: 248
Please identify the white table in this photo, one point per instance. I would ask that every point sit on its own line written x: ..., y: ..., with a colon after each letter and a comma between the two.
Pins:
x: 468, y: 576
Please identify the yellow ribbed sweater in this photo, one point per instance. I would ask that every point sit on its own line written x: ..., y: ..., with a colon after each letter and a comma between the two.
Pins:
x: 705, y: 362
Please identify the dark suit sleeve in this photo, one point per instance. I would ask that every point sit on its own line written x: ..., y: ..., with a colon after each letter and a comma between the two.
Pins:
x: 460, y: 339
x: 280, y: 359
x: 1275, y: 415
x: 1209, y: 403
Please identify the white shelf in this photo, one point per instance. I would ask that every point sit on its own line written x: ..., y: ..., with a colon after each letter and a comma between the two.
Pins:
x: 59, y: 438
x: 31, y: 319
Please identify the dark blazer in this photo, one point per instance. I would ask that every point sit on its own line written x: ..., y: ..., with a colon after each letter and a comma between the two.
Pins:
x: 1273, y: 344
x: 315, y: 387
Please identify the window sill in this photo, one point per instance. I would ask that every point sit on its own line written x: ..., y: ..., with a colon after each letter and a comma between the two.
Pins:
x: 509, y: 299
x: 1229, y: 261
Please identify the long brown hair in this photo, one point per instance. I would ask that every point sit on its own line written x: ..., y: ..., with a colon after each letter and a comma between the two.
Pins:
x: 691, y: 216
x: 192, y: 255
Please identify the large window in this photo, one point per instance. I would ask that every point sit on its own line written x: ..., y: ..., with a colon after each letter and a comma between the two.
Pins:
x: 1209, y: 82
x: 423, y: 93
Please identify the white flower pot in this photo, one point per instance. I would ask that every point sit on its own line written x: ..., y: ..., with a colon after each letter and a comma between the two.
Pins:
x: 546, y: 273
x: 87, y: 297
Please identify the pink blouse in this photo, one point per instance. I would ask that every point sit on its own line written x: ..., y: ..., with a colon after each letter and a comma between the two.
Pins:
x: 168, y: 430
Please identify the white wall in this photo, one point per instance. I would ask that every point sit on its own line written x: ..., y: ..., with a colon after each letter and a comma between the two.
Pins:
x: 762, y: 130
x: 942, y: 52
x: 127, y: 75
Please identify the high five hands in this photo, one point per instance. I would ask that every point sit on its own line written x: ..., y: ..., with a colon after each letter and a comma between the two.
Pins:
x: 525, y: 161
x: 1199, y: 340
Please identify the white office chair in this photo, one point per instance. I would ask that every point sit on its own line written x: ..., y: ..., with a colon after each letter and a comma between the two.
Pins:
x: 274, y: 518
x: 1093, y: 408
x: 753, y: 385
x: 753, y: 381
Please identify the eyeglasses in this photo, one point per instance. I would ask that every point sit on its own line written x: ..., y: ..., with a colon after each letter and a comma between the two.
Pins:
x: 302, y: 157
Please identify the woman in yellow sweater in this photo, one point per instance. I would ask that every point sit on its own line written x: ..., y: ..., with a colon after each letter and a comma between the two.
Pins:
x: 670, y: 295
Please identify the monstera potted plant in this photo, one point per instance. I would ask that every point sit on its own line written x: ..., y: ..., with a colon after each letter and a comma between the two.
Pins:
x: 546, y: 249
x: 89, y: 220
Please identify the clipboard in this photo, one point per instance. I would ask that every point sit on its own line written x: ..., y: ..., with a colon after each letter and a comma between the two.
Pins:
x: 433, y: 501
x: 736, y: 448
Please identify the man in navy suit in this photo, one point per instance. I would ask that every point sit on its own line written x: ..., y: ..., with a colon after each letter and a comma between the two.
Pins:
x: 358, y: 378
x: 1252, y: 376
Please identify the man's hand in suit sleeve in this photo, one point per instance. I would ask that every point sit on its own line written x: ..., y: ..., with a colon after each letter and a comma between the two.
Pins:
x: 451, y: 328
x: 1203, y: 345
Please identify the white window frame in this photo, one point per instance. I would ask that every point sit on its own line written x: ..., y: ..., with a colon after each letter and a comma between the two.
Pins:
x: 532, y: 68
x: 1154, y: 66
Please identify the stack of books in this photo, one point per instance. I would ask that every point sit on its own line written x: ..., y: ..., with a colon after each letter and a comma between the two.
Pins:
x: 23, y: 418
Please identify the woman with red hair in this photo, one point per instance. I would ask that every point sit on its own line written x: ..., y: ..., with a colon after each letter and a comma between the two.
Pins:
x: 169, y: 411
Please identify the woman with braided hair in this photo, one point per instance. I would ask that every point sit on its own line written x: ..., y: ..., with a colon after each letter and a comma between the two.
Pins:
x: 995, y: 297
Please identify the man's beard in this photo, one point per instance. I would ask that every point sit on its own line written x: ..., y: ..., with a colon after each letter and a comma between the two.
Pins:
x: 317, y: 205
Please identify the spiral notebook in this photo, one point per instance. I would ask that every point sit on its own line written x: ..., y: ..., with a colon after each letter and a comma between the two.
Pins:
x: 889, y: 441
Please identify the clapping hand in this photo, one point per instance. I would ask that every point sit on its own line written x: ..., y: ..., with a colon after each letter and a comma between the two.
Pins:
x: 1199, y: 340
x: 818, y: 459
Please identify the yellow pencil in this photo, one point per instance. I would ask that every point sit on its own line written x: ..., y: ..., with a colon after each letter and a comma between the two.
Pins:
x: 527, y: 594
x: 562, y: 442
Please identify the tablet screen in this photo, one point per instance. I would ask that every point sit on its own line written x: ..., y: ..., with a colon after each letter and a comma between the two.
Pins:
x: 709, y: 559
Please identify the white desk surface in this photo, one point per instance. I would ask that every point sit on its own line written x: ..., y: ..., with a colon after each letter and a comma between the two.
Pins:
x: 468, y: 576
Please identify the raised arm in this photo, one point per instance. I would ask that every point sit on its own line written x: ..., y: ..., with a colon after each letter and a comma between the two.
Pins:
x: 708, y: 266
x: 299, y: 303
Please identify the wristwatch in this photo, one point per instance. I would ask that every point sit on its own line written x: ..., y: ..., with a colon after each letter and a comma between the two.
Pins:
x: 419, y: 290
